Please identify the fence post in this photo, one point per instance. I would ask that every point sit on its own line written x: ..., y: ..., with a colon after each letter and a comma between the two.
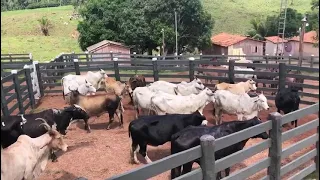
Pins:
x: 311, y: 60
x: 87, y: 58
x: 318, y: 152
x: 30, y: 57
x: 134, y: 62
x: 290, y: 56
x: 276, y: 146
x: 282, y: 75
x: 267, y: 58
x: 111, y: 55
x: 207, y: 160
x: 191, y: 68
x: 4, y: 104
x: 76, y: 66
x: 116, y: 69
x: 17, y: 89
x: 155, y: 69
x: 231, y: 71
x: 10, y: 58
x: 29, y: 85
x: 40, y: 82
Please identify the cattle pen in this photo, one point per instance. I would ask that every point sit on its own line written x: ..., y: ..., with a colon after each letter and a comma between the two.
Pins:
x: 42, y: 80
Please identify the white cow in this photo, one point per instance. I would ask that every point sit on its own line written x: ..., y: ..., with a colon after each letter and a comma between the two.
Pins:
x: 141, y: 97
x: 194, y: 81
x: 247, y: 76
x: 71, y: 84
x: 177, y: 89
x: 244, y: 106
x: 94, y: 78
x: 181, y: 104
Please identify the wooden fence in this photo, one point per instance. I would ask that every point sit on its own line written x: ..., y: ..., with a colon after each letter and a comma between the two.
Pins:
x: 14, y: 62
x: 17, y: 92
x: 209, y: 167
x: 158, y: 69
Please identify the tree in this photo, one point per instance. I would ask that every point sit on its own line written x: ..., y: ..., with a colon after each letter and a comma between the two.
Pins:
x: 259, y: 29
x: 269, y: 27
x: 138, y: 23
x: 44, y: 25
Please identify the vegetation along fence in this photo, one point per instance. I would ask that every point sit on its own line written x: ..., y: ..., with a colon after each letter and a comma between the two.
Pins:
x: 17, y: 92
x: 276, y: 154
x: 185, y: 68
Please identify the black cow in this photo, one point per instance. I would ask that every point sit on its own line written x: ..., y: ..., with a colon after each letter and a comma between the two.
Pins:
x: 156, y: 130
x: 288, y: 100
x: 14, y: 126
x: 190, y: 137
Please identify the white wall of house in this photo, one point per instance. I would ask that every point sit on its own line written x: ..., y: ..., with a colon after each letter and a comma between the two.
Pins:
x: 308, y: 49
x: 271, y: 48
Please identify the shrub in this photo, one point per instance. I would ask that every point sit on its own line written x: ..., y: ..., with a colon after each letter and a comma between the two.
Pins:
x: 44, y: 25
x: 42, y: 5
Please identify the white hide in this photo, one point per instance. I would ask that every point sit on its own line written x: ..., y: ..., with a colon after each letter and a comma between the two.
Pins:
x: 247, y: 76
x: 142, y: 98
x: 181, y: 104
x: 70, y: 81
x: 180, y: 89
x: 194, y: 81
x: 244, y: 106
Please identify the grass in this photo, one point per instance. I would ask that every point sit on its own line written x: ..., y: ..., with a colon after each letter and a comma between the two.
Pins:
x: 20, y: 30
x: 311, y: 176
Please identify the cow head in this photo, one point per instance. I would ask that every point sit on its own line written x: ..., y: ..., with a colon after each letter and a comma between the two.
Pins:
x: 261, y: 101
x: 88, y: 88
x: 102, y: 72
x: 56, y: 142
x: 252, y: 84
x: 71, y: 113
x: 263, y: 135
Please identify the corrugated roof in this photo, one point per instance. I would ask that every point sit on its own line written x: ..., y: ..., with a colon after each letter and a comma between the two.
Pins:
x: 225, y: 39
x: 104, y: 42
x: 309, y: 37
x: 275, y: 39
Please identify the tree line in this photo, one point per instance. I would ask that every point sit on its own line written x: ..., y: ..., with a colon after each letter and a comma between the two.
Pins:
x: 10, y: 5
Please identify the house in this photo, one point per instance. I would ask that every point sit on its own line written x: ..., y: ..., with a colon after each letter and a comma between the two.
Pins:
x: 230, y: 44
x: 292, y: 46
x: 271, y: 45
x: 119, y: 50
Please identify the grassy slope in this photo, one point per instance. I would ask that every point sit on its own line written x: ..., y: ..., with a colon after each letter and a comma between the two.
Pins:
x: 20, y: 31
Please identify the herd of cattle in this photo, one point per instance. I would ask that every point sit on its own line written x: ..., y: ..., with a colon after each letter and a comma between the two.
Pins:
x: 164, y: 112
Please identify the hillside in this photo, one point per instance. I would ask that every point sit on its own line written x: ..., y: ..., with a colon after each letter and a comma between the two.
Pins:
x: 20, y: 32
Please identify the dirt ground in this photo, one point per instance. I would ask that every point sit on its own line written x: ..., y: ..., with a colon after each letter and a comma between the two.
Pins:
x: 105, y: 153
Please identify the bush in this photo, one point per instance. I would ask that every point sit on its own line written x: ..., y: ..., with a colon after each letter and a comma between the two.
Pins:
x: 44, y: 25
x: 42, y: 5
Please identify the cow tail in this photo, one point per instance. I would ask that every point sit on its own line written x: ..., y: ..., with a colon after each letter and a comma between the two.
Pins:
x: 153, y: 106
x: 62, y: 87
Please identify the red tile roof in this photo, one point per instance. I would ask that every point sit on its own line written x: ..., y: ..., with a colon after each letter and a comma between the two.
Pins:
x: 309, y: 37
x: 225, y: 39
x: 275, y: 39
x: 99, y: 44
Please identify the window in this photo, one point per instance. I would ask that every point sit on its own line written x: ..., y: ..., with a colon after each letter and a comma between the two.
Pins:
x: 256, y: 49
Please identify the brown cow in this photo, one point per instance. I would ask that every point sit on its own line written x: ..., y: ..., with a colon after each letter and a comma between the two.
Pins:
x: 134, y: 82
x: 28, y: 157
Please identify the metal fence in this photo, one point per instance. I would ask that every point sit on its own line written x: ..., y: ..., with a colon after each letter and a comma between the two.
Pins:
x: 209, y: 167
x: 14, y: 62
x: 155, y: 68
x: 17, y: 92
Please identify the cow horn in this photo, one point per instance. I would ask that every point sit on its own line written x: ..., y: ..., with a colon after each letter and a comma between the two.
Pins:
x: 86, y: 81
x: 45, y: 124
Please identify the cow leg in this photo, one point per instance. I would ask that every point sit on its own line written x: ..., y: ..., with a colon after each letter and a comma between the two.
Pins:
x: 111, y: 119
x: 187, y: 168
x: 227, y: 171
x: 86, y: 125
x: 54, y: 157
x: 120, y: 117
x: 175, y: 172
x: 219, y: 176
x: 143, y: 152
x: 133, y: 153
